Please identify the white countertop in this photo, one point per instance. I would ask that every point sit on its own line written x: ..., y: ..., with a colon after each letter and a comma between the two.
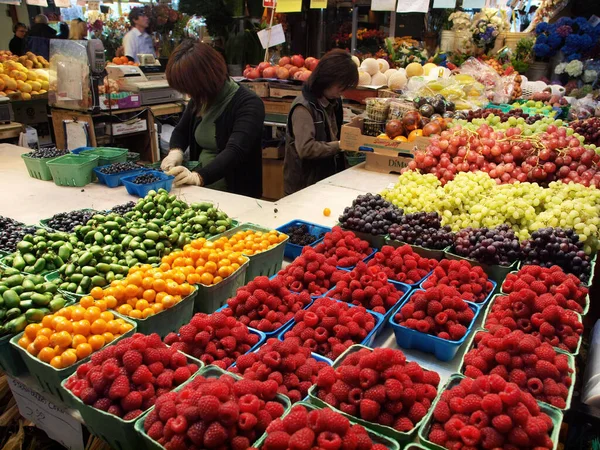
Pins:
x: 29, y: 200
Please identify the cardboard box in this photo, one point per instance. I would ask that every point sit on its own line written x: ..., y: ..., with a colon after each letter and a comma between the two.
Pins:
x: 121, y: 100
x: 134, y: 126
x: 273, y: 152
x: 260, y: 88
x: 272, y: 176
x: 281, y: 90
x: 387, y: 161
x: 277, y: 107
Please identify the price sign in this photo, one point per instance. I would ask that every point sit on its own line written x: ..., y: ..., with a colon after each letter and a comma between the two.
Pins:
x: 48, y: 416
x: 383, y: 5
x: 42, y: 3
x: 271, y: 36
x: 406, y: 6
x: 318, y: 4
x: 288, y: 6
x: 268, y: 3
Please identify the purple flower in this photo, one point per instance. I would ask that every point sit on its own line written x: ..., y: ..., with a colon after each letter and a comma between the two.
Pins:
x: 564, y: 30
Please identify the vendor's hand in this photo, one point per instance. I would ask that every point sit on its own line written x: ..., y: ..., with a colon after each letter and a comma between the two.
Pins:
x: 174, y: 158
x: 184, y: 176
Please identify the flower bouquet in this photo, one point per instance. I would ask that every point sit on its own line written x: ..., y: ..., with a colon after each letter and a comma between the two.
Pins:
x: 575, y: 38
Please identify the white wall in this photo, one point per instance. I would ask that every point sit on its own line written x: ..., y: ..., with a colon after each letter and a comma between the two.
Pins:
x: 6, y: 24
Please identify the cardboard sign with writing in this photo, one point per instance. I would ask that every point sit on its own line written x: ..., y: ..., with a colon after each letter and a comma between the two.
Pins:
x: 268, y: 3
x: 406, y: 6
x: 62, y: 3
x: 271, y: 36
x: 42, y: 3
x: 473, y: 4
x: 444, y: 4
x: 288, y: 6
x: 318, y: 4
x: 383, y: 5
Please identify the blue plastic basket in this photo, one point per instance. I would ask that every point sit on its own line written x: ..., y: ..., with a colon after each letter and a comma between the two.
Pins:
x: 292, y: 251
x: 485, y: 300
x: 141, y: 190
x: 114, y: 180
x: 412, y: 286
x: 442, y: 349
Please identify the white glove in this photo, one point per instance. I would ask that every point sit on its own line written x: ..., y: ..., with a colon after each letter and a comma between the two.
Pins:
x: 184, y: 176
x: 174, y: 158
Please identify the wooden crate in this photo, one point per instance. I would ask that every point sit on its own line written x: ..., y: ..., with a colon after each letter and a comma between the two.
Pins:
x: 284, y: 90
x: 260, y: 88
x: 277, y: 106
x: 272, y: 176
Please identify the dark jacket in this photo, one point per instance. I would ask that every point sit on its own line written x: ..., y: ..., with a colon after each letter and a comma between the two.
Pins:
x: 238, y: 134
x: 17, y: 46
x: 42, y: 30
x: 299, y: 173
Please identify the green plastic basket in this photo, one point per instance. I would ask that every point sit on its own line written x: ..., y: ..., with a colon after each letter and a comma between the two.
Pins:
x: 107, y: 155
x: 554, y: 414
x: 133, y: 156
x: 118, y: 433
x: 394, y: 435
x: 266, y: 263
x: 47, y: 376
x: 11, y: 361
x: 211, y: 298
x: 414, y: 446
x: 73, y: 170
x: 168, y: 320
x: 375, y: 437
x: 421, y: 251
x: 376, y: 241
x: 38, y: 167
x: 495, y: 272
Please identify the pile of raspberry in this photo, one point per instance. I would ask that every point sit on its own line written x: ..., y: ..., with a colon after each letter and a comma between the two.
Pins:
x: 214, y: 413
x: 368, y: 287
x: 566, y: 289
x: 329, y: 327
x: 489, y: 413
x: 311, y: 272
x: 539, y: 316
x: 213, y: 339
x: 317, y: 429
x: 126, y: 379
x: 379, y: 386
x: 471, y: 281
x: 403, y: 264
x: 438, y: 311
x: 343, y: 248
x: 522, y: 359
x: 288, y: 363
x: 265, y: 304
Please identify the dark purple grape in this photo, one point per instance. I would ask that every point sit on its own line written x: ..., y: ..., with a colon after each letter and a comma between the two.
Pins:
x: 422, y: 229
x: 370, y: 213
x: 494, y: 246
x: 11, y: 233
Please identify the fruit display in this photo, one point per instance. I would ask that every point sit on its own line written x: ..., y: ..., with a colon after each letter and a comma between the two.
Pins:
x: 402, y: 264
x: 529, y: 124
x: 67, y: 221
x: 213, y: 339
x: 123, y: 61
x: 413, y: 125
x: 24, y: 77
x: 73, y: 333
x: 370, y: 213
x: 292, y: 68
x: 265, y: 305
x: 300, y: 235
x: 115, y: 168
x: 489, y: 412
x: 250, y: 242
x: 328, y: 327
x: 145, y: 178
x: 367, y: 286
x: 377, y: 72
x: 589, y: 129
x: 373, y: 385
x: 423, y: 229
x: 47, y: 152
x: 565, y: 288
x: 494, y: 116
x: 535, y: 366
x: 461, y: 89
x: 288, y: 363
x: 127, y: 379
x: 471, y: 281
x: 122, y: 209
x: 25, y: 299
x: 343, y: 248
x: 41, y: 252
x: 11, y: 233
x: 319, y: 428
x: 496, y: 246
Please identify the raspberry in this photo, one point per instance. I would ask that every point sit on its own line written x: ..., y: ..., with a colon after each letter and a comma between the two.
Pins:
x: 132, y: 359
x: 208, y: 407
x: 141, y: 375
x: 492, y: 404
x: 277, y: 440
x: 490, y: 438
x: 470, y: 435
x: 132, y: 401
x: 502, y: 423
x: 302, y: 439
x: 329, y: 441
x: 416, y: 413
x: 295, y: 420
x: 215, y: 435
x: 119, y: 388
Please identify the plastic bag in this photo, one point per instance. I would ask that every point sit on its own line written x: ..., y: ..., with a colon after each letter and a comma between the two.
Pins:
x: 504, y: 90
x: 483, y: 73
x: 584, y: 108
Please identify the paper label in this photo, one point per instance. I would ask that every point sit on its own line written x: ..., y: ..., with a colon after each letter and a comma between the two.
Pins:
x: 62, y: 3
x: 10, y: 2
x: 419, y: 6
x: 268, y: 3
x: 444, y: 3
x: 288, y: 6
x: 594, y: 20
x: 42, y: 3
x: 318, y: 4
x: 473, y: 4
x: 51, y: 418
x: 271, y: 36
x: 383, y: 5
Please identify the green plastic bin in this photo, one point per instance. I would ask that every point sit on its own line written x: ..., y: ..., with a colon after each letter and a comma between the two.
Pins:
x: 495, y: 272
x: 11, y: 361
x: 73, y: 170
x: 266, y: 263
x: 375, y: 437
x: 48, y: 377
x: 107, y: 155
x: 421, y: 251
x: 118, y: 433
x: 554, y: 414
x: 211, y: 298
x: 38, y: 167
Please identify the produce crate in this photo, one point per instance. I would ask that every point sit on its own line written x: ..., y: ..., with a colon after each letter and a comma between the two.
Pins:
x: 44, y: 222
x: 211, y: 298
x: 107, y: 155
x: 48, y: 377
x: 10, y: 359
x: 73, y: 170
x: 442, y: 349
x: 375, y: 240
x: 38, y: 167
x: 495, y: 272
x: 422, y: 251
x: 485, y: 300
x: 397, y: 436
x: 554, y: 414
x: 114, y: 180
x: 292, y: 251
x: 570, y: 357
x: 375, y: 437
x: 118, y: 433
x: 266, y: 263
x: 141, y: 190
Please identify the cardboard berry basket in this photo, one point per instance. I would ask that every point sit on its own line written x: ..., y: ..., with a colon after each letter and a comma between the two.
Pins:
x: 495, y: 272
x: 50, y: 378
x: 375, y: 437
x: 555, y: 414
x: 292, y: 251
x: 209, y: 371
x: 423, y: 251
x: 489, y: 309
x: 118, y: 433
x: 210, y: 298
x: 265, y: 263
x: 481, y: 304
x: 397, y: 436
x: 586, y: 306
x: 442, y: 349
x: 571, y: 358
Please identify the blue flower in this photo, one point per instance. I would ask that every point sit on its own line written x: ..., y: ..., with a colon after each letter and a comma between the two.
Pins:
x: 554, y: 41
x: 541, y: 50
x: 541, y: 28
x: 564, y: 21
x: 580, y: 21
x: 542, y: 39
x: 573, y: 56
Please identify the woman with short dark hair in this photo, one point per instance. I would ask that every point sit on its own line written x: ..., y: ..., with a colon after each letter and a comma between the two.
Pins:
x: 17, y: 44
x: 222, y: 124
x: 312, y: 150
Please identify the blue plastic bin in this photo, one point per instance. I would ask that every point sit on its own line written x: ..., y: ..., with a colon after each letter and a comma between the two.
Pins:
x: 312, y: 354
x: 114, y: 180
x: 442, y: 349
x: 141, y: 190
x: 485, y: 300
x: 412, y: 286
x: 292, y: 251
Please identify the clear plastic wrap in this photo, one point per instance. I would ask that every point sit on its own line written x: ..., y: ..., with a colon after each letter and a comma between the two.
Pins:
x: 464, y: 90
x: 483, y: 73
x: 69, y: 75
